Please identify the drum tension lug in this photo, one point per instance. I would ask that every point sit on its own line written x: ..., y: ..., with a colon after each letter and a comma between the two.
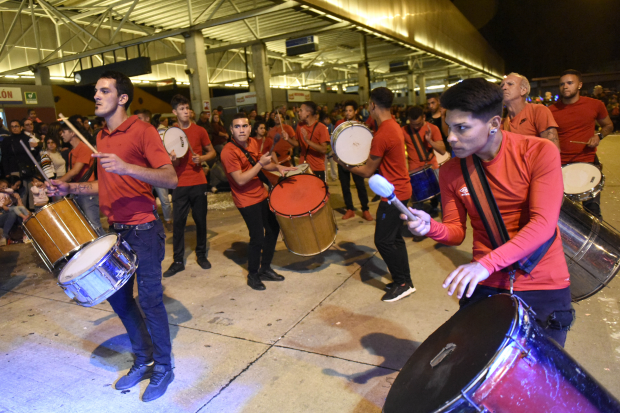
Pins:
x: 525, y: 353
x: 475, y: 406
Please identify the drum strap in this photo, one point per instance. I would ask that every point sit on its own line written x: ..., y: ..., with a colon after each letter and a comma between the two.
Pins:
x: 420, y: 148
x: 487, y: 208
x: 88, y: 172
x: 261, y: 174
x: 307, y: 148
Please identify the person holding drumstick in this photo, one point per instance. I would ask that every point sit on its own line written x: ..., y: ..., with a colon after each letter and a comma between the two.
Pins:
x: 191, y: 192
x: 283, y: 151
x: 525, y: 180
x: 577, y: 117
x: 350, y: 114
x: 132, y: 160
x: 387, y: 154
x: 243, y: 161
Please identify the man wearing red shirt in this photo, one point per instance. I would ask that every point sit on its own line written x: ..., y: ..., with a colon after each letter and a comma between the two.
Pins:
x: 387, y: 153
x: 525, y: 179
x: 577, y: 117
x: 132, y: 160
x: 259, y: 133
x: 526, y: 118
x: 312, y: 138
x: 250, y: 197
x: 80, y: 162
x: 350, y: 114
x: 283, y: 149
x: 191, y: 192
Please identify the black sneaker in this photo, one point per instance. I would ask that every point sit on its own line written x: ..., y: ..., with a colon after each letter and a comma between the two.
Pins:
x: 398, y: 292
x: 160, y: 379
x: 175, y: 267
x: 137, y: 373
x: 255, y: 283
x: 203, y: 262
x: 389, y: 286
x: 269, y: 275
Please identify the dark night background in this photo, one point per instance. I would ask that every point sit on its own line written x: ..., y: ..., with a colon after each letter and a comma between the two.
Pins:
x: 543, y: 38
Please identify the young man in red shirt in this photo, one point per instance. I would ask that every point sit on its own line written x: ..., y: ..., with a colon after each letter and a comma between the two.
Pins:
x: 283, y: 149
x: 525, y: 179
x: 577, y: 117
x: 80, y: 162
x: 191, y: 192
x: 250, y: 197
x: 132, y: 160
x: 387, y: 153
x: 422, y: 139
x: 312, y: 138
x: 526, y: 118
x: 350, y: 114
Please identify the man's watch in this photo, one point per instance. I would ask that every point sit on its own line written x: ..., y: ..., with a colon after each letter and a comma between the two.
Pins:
x: 600, y: 136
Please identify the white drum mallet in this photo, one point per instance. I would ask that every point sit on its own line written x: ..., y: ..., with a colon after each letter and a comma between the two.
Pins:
x: 384, y: 188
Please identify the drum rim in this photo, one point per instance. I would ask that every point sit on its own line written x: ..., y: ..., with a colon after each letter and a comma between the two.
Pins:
x: 311, y: 211
x: 422, y: 169
x: 163, y: 139
x: 590, y: 193
x: 336, y: 133
x: 46, y: 207
x: 105, y: 256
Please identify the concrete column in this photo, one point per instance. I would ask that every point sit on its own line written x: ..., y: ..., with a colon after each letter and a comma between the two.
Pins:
x: 323, y: 87
x: 197, y: 68
x: 422, y: 86
x: 363, y: 82
x: 261, y: 77
x: 339, y: 89
x: 42, y: 76
x: 411, y: 97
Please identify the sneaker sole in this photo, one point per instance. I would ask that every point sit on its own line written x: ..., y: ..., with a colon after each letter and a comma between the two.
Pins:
x: 403, y: 295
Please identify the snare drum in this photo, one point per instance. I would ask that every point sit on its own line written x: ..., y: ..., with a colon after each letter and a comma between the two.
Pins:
x: 424, y: 184
x: 301, y: 206
x: 591, y: 248
x: 99, y: 270
x: 303, y: 169
x: 493, y: 357
x: 175, y: 139
x: 351, y: 142
x: 582, y: 181
x: 58, y: 230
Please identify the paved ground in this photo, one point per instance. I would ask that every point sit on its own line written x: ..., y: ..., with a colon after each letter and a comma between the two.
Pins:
x: 322, y: 341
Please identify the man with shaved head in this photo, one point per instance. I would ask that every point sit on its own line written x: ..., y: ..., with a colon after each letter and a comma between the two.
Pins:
x: 526, y: 118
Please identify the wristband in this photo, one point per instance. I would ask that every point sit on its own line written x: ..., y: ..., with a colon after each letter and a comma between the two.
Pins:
x: 600, y: 136
x: 262, y: 166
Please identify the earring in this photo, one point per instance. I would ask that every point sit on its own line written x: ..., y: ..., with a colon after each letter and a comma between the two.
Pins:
x: 493, y: 131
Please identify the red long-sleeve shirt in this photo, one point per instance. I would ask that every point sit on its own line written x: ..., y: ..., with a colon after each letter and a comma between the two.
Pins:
x: 526, y: 180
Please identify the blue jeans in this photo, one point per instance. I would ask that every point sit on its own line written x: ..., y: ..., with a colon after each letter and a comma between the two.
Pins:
x: 7, y: 219
x: 90, y: 207
x: 149, y: 336
x: 166, y: 206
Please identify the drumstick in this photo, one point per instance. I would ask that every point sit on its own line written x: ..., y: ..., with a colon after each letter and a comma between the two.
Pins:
x: 583, y: 143
x: 36, y: 163
x: 77, y: 132
x: 280, y: 120
x: 383, y: 187
x: 276, y: 139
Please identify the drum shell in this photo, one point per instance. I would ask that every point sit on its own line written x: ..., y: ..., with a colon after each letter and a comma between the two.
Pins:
x: 424, y: 184
x: 528, y: 373
x: 590, y: 248
x: 104, y: 278
x: 57, y: 230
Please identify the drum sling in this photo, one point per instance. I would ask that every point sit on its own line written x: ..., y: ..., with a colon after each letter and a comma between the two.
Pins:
x: 261, y: 174
x: 487, y: 208
x: 420, y: 148
x: 307, y: 148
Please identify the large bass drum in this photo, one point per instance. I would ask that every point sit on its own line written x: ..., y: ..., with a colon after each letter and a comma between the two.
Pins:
x: 591, y: 247
x: 493, y: 357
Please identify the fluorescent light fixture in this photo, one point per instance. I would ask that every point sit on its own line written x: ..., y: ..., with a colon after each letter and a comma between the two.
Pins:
x: 27, y: 77
x: 12, y: 77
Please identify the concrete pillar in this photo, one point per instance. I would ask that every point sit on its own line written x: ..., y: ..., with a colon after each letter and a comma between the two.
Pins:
x: 261, y: 77
x: 411, y: 97
x: 197, y: 70
x: 339, y: 89
x: 422, y: 86
x: 323, y: 87
x: 42, y: 76
x: 363, y: 83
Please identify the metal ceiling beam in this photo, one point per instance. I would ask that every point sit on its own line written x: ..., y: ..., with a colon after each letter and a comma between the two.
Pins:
x: 162, y: 35
x: 125, y: 17
x: 8, y: 33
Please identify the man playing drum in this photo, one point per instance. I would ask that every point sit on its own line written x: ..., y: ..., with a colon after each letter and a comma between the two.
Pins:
x: 422, y: 139
x: 283, y: 150
x: 191, y: 192
x: 525, y: 180
x: 133, y: 160
x: 350, y: 114
x: 577, y: 117
x: 387, y: 153
x: 250, y: 197
x: 312, y: 138
x: 526, y: 118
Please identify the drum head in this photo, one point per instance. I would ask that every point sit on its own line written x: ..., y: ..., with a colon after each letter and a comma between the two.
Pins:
x: 478, y: 332
x: 298, y: 195
x: 352, y: 143
x: 175, y: 139
x: 580, y: 177
x: 87, y: 257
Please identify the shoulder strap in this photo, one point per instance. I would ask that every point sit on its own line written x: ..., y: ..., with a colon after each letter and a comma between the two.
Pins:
x: 307, y: 148
x: 252, y: 161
